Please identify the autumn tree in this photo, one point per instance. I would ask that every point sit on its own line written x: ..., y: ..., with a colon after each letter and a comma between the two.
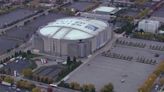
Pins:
x: 36, y: 90
x: 108, y: 88
x: 161, y: 81
x: 74, y: 85
x: 9, y: 79
x: 88, y: 88
x: 27, y: 72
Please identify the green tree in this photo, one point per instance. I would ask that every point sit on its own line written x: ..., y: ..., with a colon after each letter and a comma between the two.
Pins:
x: 74, y: 59
x: 28, y: 52
x: 69, y: 60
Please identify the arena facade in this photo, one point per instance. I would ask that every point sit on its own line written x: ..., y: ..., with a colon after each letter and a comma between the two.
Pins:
x: 72, y: 36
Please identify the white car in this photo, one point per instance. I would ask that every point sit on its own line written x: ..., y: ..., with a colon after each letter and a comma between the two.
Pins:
x: 122, y: 80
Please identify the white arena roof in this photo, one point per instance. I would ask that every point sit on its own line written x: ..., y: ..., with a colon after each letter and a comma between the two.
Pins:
x: 73, y: 28
x: 111, y: 10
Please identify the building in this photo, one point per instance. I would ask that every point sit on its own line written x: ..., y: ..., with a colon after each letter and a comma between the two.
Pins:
x: 106, y: 10
x: 74, y: 36
x: 149, y: 25
x: 103, y: 12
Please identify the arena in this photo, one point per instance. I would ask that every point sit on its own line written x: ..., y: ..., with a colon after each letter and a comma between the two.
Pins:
x: 73, y: 36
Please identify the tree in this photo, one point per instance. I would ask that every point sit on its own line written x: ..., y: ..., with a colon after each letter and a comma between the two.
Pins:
x: 108, y: 88
x: 161, y: 81
x: 27, y: 72
x: 36, y: 90
x: 8, y: 71
x: 74, y: 85
x: 8, y: 50
x: 69, y: 60
x: 142, y: 89
x: 25, y: 84
x: 16, y: 54
x: 63, y: 84
x: 141, y: 30
x: 88, y: 88
x: 159, y: 69
x: 24, y: 54
x: 9, y: 79
x: 28, y: 52
x: 17, y: 45
x: 74, y: 59
x: 50, y: 89
x: 27, y: 36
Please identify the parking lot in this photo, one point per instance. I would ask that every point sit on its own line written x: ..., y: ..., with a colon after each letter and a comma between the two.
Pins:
x: 17, y: 65
x: 15, y: 35
x: 49, y: 71
x: 135, y: 53
x: 159, y: 12
x: 10, y: 89
x: 15, y: 15
x: 131, y: 13
x: 81, y: 5
x: 6, y: 44
x: 33, y: 26
x: 102, y: 70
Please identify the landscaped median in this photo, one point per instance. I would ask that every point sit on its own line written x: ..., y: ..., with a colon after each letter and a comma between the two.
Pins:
x: 70, y: 66
x: 149, y: 82
x: 86, y: 87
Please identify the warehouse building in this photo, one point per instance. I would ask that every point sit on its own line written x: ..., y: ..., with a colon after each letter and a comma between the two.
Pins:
x: 149, y: 26
x: 74, y: 36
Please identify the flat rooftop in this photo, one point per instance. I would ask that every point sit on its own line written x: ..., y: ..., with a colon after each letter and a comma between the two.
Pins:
x: 105, y: 9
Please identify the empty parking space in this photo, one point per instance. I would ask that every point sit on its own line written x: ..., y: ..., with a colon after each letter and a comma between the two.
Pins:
x: 138, y: 53
x: 6, y: 44
x: 4, y: 88
x: 159, y: 12
x: 49, y: 71
x: 17, y: 65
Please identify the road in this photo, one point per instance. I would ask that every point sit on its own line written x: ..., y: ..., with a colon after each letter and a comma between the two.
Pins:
x: 58, y: 89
